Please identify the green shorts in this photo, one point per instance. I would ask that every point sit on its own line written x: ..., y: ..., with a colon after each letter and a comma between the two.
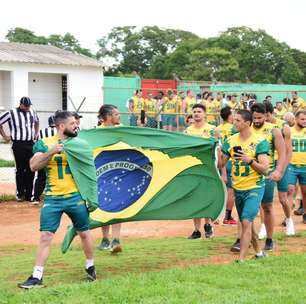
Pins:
x: 248, y: 202
x: 53, y: 209
x: 169, y: 120
x: 229, y: 183
x: 282, y: 185
x: 296, y: 173
x: 269, y: 192
x: 182, y: 121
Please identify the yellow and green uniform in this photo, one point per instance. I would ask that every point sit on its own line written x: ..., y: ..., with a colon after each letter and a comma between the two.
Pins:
x: 247, y: 183
x: 288, y: 107
x: 150, y: 107
x: 297, y: 166
x: 169, y: 110
x: 226, y: 130
x: 169, y: 106
x: 280, y: 114
x: 244, y: 176
x: 59, y: 181
x: 138, y: 104
x: 212, y: 108
x: 301, y: 103
x: 298, y: 139
x: 206, y: 131
x: 190, y: 102
x: 266, y: 131
x: 233, y: 105
x: 61, y: 192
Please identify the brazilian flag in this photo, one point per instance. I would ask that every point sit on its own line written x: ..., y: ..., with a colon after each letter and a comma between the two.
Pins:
x: 138, y: 174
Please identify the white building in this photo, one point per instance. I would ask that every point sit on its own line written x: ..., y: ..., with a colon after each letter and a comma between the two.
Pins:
x: 53, y: 78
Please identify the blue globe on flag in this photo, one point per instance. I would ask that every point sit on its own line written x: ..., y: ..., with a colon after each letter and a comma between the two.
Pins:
x: 123, y: 176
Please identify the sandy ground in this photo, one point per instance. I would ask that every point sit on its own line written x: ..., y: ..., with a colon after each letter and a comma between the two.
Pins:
x: 19, y: 224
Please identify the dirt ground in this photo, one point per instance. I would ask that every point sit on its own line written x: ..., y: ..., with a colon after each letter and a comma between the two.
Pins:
x: 19, y: 224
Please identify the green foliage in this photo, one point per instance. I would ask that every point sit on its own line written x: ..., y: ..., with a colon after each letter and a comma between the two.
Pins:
x: 131, y: 49
x: 239, y: 54
x: 67, y: 42
x: 7, y: 197
x: 6, y: 163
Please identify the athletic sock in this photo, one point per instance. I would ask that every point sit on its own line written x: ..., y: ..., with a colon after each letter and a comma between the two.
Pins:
x: 89, y: 263
x: 228, y: 214
x: 38, y: 272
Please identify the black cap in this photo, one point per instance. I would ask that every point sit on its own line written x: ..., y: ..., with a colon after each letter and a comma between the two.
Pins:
x: 25, y: 101
x: 76, y: 115
x: 51, y: 121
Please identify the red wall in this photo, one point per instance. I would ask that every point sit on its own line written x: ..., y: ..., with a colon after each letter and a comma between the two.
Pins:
x: 156, y: 85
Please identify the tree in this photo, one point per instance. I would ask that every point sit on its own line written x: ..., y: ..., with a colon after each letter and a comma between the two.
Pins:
x: 67, y: 42
x: 130, y: 49
x: 19, y: 34
x: 261, y: 57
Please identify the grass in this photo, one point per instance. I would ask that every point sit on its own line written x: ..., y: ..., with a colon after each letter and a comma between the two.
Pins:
x: 7, y: 197
x: 155, y: 271
x: 6, y: 163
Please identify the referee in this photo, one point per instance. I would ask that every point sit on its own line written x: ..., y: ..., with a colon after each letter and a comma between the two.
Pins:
x: 24, y: 125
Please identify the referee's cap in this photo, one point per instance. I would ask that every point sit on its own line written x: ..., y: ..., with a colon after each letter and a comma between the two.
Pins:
x: 26, y: 101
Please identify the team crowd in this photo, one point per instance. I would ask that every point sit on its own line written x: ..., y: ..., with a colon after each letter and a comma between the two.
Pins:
x: 258, y: 146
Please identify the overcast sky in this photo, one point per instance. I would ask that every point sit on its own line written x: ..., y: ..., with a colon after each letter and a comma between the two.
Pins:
x: 90, y: 20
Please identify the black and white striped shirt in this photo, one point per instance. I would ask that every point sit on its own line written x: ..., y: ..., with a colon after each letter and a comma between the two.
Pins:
x: 47, y: 132
x: 21, y: 124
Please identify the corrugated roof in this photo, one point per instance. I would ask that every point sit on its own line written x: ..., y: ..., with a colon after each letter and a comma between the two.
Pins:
x: 43, y: 54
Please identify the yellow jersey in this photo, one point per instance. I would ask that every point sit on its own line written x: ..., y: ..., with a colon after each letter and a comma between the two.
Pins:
x: 169, y: 106
x: 226, y: 130
x: 190, y: 102
x: 243, y: 175
x: 298, y: 139
x: 151, y: 107
x: 206, y: 131
x: 280, y: 114
x: 138, y: 104
x: 233, y: 105
x: 212, y: 108
x: 59, y: 180
x: 266, y: 132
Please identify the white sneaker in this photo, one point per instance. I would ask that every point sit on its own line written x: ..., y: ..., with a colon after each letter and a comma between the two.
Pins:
x: 34, y: 203
x: 289, y: 227
x: 262, y: 232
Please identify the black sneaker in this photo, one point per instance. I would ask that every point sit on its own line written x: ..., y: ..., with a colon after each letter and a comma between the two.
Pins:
x: 31, y: 283
x: 105, y: 244
x: 236, y: 246
x: 91, y: 273
x: 115, y: 246
x: 304, y: 218
x: 195, y: 235
x: 208, y: 229
x: 299, y: 211
x: 268, y: 245
x: 20, y: 199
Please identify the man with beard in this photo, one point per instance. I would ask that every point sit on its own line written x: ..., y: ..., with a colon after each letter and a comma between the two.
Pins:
x: 276, y: 143
x: 61, y: 196
x: 297, y: 166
